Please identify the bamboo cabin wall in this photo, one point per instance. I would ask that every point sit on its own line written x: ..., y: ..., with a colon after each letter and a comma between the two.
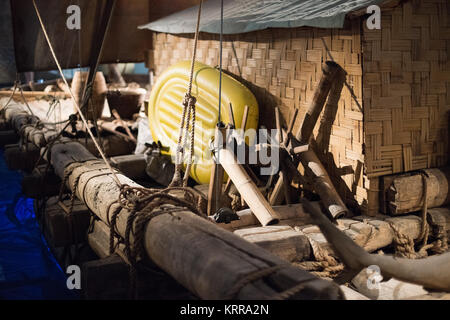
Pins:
x: 282, y: 67
x: 406, y: 76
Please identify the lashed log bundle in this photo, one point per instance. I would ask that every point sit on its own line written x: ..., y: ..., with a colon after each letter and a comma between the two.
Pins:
x: 189, y: 248
x: 26, y: 124
x: 406, y: 192
x: 431, y: 272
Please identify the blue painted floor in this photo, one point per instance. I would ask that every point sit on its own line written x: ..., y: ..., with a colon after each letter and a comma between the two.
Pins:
x: 28, y: 270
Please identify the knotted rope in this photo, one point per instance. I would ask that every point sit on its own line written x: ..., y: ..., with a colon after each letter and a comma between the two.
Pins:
x: 188, y: 114
x: 141, y: 203
x: 404, y: 245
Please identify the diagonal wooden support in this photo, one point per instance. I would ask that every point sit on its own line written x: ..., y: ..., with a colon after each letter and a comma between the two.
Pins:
x: 302, y: 137
x: 243, y: 125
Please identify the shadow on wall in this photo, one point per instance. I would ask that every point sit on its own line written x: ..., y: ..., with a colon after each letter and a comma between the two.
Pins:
x: 266, y: 61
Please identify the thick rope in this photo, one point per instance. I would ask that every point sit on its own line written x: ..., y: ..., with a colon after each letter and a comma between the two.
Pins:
x: 404, y: 245
x: 325, y: 265
x: 142, y: 204
x: 188, y: 110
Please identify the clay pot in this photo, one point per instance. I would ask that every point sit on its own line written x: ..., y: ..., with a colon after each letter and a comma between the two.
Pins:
x: 127, y: 101
x: 95, y: 107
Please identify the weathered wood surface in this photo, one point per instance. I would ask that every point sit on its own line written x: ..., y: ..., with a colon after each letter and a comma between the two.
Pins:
x: 282, y: 241
x: 247, y: 188
x: 131, y: 165
x: 186, y: 246
x: 431, y: 272
x: 406, y: 192
x: 27, y: 125
x: 111, y: 145
x: 322, y: 184
x: 64, y: 229
x: 287, y: 214
x: 374, y: 233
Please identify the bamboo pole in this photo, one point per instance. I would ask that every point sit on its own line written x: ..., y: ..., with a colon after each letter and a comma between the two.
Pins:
x: 248, y: 190
x: 322, y: 184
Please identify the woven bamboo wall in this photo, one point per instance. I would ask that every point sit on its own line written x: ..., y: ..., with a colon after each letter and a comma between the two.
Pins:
x: 282, y: 67
x: 406, y: 76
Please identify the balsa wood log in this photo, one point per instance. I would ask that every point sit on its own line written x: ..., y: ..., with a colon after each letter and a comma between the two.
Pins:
x: 282, y: 241
x: 374, y: 233
x: 431, y: 272
x: 406, y: 191
x: 23, y: 122
x: 248, y: 190
x: 187, y: 246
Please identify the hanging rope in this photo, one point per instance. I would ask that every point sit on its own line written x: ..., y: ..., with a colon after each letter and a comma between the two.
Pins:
x: 141, y: 203
x: 188, y: 113
x: 77, y: 107
x: 220, y: 61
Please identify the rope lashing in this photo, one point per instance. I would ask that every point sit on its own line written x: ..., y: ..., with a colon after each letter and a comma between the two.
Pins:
x: 188, y: 114
x: 142, y: 204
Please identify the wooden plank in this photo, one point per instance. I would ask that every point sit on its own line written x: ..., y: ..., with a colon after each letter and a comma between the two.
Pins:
x: 282, y: 241
x: 131, y: 165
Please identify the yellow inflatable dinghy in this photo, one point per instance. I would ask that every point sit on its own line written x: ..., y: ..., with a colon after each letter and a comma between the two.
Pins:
x: 165, y: 109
